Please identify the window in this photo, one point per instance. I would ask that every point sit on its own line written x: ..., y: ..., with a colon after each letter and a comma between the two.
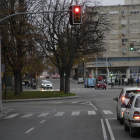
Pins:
x: 124, y: 40
x: 124, y: 12
x: 134, y: 12
x: 134, y: 21
x: 114, y: 32
x: 134, y: 31
x: 137, y: 103
x: 130, y: 102
x: 123, y: 21
x: 113, y: 13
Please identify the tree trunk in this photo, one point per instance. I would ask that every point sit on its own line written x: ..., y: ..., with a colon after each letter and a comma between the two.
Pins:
x: 67, y: 83
x: 61, y: 80
x: 17, y: 77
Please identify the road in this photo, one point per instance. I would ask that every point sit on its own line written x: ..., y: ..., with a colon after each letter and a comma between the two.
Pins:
x: 92, y: 116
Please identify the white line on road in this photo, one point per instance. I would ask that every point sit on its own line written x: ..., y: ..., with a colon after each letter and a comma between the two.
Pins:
x: 75, y: 102
x: 59, y: 113
x: 43, y: 121
x: 91, y: 112
x: 104, y: 131
x: 11, y: 116
x: 29, y: 130
x: 75, y: 113
x: 107, y: 112
x: 27, y: 115
x: 93, y: 105
x: 43, y: 114
x: 110, y: 130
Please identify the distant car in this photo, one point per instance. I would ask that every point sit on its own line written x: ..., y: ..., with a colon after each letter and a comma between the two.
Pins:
x: 47, y: 76
x: 109, y: 81
x: 46, y: 84
x: 100, y: 84
x: 132, y: 115
x: 89, y: 82
x: 80, y: 80
x: 123, y: 99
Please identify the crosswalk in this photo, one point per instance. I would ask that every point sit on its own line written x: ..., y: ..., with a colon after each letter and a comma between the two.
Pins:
x: 57, y: 114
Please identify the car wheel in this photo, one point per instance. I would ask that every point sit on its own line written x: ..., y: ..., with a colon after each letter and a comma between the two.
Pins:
x: 132, y: 132
x: 105, y: 87
x: 44, y: 88
x: 118, y: 117
x: 126, y: 128
x: 121, y: 121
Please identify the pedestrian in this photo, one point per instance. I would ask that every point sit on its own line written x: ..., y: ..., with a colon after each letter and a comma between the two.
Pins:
x: 122, y: 81
x: 137, y: 81
x: 131, y: 81
x: 26, y: 84
x: 115, y: 80
x: 119, y: 81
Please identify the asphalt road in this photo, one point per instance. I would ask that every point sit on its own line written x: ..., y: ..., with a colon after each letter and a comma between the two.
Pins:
x: 92, y: 116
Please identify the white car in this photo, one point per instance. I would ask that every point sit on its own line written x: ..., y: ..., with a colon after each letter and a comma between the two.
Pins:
x: 123, y: 99
x: 132, y: 115
x: 80, y: 80
x: 46, y: 84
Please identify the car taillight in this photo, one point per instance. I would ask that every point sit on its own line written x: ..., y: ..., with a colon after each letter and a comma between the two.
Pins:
x: 98, y: 84
x: 123, y: 100
x: 136, y: 115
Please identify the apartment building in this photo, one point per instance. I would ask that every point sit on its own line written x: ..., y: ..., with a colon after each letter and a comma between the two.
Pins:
x: 118, y: 58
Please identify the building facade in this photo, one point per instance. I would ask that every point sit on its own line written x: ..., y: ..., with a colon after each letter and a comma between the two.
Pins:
x: 118, y: 58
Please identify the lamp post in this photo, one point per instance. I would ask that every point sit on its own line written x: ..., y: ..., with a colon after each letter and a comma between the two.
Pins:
x: 96, y: 66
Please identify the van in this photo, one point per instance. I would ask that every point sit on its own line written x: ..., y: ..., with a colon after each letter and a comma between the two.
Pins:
x: 80, y: 80
x: 90, y: 82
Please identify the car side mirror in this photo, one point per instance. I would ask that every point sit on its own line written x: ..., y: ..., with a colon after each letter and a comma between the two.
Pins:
x: 115, y: 99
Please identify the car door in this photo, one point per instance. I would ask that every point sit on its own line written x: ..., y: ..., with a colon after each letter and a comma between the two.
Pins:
x: 119, y: 103
x: 127, y: 111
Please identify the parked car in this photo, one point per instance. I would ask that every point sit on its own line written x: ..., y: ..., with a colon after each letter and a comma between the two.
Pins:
x: 80, y: 80
x: 89, y: 82
x: 132, y: 115
x: 100, y: 84
x: 46, y: 84
x: 109, y: 81
x: 123, y: 99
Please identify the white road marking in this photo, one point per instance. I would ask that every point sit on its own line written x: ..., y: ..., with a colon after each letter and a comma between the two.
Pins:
x: 11, y: 116
x: 43, y: 121
x: 27, y: 115
x: 110, y: 130
x: 75, y: 102
x: 107, y: 112
x: 85, y: 103
x: 93, y: 105
x: 75, y: 113
x: 91, y: 112
x: 29, y: 130
x: 59, y: 113
x: 104, y: 131
x: 43, y: 114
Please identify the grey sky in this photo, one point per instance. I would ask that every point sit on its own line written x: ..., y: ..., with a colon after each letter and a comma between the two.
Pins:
x: 112, y: 2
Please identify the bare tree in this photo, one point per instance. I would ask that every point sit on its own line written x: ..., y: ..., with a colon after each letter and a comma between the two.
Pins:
x: 63, y: 43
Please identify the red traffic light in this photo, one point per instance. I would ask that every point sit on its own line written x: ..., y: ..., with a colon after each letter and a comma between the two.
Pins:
x: 75, y: 15
x: 76, y: 9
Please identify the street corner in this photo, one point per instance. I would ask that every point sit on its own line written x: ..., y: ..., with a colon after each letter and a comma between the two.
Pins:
x: 6, y: 112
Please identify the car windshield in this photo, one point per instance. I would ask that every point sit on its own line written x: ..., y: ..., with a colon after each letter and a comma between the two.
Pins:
x: 46, y: 82
x: 129, y: 93
x: 137, y: 103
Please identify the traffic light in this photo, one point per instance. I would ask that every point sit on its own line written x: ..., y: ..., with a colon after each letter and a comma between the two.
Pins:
x: 111, y: 74
x: 131, y: 46
x: 75, y: 15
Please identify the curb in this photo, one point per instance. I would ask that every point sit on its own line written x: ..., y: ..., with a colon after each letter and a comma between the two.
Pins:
x: 39, y: 99
x: 6, y: 112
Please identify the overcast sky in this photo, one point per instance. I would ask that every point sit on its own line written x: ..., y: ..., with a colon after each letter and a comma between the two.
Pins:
x: 113, y: 2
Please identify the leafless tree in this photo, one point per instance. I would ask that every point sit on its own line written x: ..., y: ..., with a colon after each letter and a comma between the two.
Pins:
x: 63, y: 43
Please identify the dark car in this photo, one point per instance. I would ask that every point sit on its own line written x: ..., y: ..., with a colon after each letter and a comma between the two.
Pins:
x: 100, y: 84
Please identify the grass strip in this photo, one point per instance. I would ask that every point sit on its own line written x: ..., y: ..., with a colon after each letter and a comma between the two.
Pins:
x: 35, y: 94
